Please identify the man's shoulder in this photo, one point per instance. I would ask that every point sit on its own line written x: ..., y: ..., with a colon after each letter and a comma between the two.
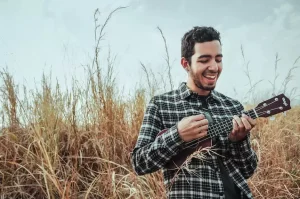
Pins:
x: 169, y: 96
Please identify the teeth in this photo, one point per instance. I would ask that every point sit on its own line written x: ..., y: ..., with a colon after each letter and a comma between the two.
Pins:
x: 210, y: 76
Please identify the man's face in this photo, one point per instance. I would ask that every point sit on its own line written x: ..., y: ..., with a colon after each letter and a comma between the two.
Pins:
x: 206, y: 65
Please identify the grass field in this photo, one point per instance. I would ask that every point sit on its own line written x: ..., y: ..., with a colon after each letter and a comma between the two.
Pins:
x: 76, y: 143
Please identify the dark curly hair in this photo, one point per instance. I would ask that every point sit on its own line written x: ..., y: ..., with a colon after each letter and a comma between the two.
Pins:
x: 197, y: 35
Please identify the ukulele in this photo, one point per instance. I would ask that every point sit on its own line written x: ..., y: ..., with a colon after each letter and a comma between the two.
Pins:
x: 272, y: 106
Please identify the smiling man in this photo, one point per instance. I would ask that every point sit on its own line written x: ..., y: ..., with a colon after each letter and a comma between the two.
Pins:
x: 176, y: 118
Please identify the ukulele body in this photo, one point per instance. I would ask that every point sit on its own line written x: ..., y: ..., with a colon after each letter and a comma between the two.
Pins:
x: 183, y: 155
x: 178, y: 160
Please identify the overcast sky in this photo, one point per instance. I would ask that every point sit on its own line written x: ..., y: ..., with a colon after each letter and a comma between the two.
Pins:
x: 58, y: 35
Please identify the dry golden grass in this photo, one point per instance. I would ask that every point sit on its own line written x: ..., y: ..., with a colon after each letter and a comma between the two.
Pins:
x: 71, y: 145
x: 77, y: 145
x: 277, y: 144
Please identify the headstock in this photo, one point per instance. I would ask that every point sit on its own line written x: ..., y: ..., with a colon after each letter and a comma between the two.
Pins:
x: 272, y: 106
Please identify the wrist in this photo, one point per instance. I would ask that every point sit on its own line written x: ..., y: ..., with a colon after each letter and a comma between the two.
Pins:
x: 236, y: 139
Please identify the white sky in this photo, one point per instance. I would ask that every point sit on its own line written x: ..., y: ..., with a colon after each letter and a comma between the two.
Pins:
x: 56, y: 35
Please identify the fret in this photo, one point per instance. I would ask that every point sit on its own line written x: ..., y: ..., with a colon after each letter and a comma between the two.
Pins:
x: 253, y: 113
x: 221, y: 128
x: 225, y: 126
x: 216, y: 129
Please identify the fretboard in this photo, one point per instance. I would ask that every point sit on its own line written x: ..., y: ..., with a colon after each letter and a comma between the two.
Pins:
x: 221, y: 128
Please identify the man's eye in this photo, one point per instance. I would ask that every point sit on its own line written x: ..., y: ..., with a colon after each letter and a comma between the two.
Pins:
x: 219, y: 60
x: 203, y: 61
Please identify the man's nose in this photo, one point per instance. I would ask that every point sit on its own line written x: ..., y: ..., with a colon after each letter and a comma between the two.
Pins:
x: 213, y: 66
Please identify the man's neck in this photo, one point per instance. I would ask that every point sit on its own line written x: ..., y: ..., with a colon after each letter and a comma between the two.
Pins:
x: 190, y: 84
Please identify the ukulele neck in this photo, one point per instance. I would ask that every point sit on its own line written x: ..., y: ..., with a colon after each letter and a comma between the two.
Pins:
x: 226, y: 125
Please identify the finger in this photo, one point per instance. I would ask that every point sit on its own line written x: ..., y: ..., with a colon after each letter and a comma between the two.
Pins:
x: 240, y: 124
x: 251, y: 121
x: 197, y: 117
x: 247, y: 125
x: 201, y: 134
x: 201, y: 122
x: 198, y: 124
x: 234, y: 127
x: 199, y: 129
x: 203, y: 128
x: 185, y: 118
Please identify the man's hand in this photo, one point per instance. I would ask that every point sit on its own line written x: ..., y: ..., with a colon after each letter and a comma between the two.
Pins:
x: 241, y: 127
x: 193, y: 127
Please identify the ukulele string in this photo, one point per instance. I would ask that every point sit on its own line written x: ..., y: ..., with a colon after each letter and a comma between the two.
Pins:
x: 191, y: 143
x: 264, y: 105
x: 196, y: 141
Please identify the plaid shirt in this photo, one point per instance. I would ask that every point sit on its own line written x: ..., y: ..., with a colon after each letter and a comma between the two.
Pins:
x: 201, y: 179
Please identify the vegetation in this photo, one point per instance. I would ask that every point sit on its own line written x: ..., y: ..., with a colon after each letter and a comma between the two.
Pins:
x: 77, y: 143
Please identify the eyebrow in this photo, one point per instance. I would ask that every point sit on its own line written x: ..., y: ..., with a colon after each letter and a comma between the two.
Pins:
x: 209, y: 56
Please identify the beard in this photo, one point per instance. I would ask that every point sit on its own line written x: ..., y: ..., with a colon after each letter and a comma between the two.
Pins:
x: 198, y: 83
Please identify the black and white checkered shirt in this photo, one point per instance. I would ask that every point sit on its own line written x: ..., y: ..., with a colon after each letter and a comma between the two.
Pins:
x: 201, y: 179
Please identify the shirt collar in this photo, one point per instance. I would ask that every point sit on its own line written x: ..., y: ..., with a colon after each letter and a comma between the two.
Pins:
x: 185, y: 92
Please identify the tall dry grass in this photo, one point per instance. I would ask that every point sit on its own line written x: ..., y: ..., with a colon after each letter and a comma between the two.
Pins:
x: 73, y: 145
x: 76, y: 143
x: 277, y: 143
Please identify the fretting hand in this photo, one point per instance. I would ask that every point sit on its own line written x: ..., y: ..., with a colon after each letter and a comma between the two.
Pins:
x: 241, y: 127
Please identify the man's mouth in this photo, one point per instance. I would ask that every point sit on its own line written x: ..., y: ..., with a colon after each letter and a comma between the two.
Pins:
x: 210, y: 77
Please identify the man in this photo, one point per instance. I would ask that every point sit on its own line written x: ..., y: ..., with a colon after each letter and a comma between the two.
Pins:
x: 180, y: 113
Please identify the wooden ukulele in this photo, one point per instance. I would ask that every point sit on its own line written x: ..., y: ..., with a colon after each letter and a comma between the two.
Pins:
x: 266, y: 108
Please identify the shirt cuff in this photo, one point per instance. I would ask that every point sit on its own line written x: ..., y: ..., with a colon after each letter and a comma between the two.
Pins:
x: 171, y: 138
x: 242, y: 145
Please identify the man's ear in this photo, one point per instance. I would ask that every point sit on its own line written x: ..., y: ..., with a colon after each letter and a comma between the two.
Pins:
x: 185, y: 64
